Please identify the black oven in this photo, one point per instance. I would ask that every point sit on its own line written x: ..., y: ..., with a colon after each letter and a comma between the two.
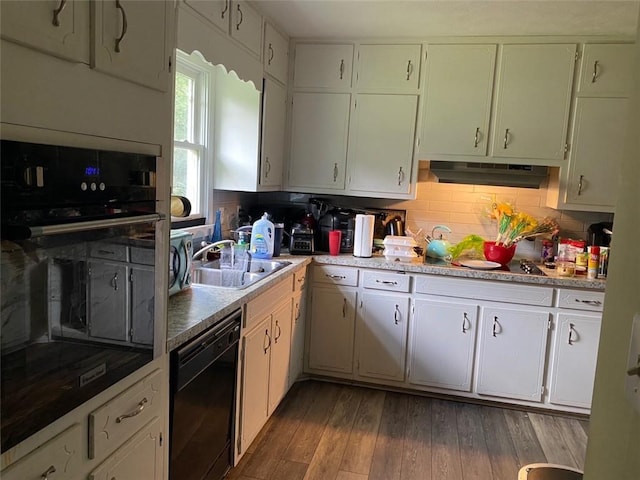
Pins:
x: 77, y: 278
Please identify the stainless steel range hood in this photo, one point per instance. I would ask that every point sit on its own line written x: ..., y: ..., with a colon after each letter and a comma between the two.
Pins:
x: 503, y: 175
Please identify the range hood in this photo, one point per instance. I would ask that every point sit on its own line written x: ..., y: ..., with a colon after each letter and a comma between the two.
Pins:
x: 502, y: 175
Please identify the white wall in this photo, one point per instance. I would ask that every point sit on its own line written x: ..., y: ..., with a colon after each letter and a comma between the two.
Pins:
x: 613, y: 452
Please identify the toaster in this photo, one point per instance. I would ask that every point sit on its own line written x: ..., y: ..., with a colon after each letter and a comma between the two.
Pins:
x: 301, y: 241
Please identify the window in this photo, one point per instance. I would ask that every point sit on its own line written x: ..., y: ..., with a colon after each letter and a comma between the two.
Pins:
x: 191, y: 146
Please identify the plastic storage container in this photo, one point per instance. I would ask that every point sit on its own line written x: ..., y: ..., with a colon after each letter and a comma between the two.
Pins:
x: 262, y: 238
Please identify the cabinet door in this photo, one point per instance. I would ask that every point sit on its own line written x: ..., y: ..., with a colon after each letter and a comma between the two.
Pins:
x: 276, y: 53
x: 534, y: 94
x: 216, y: 11
x: 512, y: 353
x: 57, y: 28
x: 597, y: 150
x: 457, y: 100
x: 393, y: 67
x: 142, y: 305
x: 606, y: 70
x: 332, y: 329
x: 273, y: 127
x: 382, y: 335
x: 246, y: 26
x: 297, y: 337
x: 130, y: 41
x: 256, y: 348
x: 442, y: 344
x: 381, y: 143
x: 140, y: 457
x: 322, y: 66
x: 574, y: 360
x: 108, y: 301
x: 280, y: 354
x: 319, y: 131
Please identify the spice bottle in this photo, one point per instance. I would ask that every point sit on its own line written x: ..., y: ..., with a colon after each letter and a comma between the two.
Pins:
x: 593, y: 262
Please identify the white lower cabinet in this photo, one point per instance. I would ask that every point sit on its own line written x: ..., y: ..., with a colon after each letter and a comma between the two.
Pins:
x: 381, y: 335
x: 280, y: 354
x: 297, y: 337
x: 574, y: 359
x: 442, y: 344
x: 512, y: 352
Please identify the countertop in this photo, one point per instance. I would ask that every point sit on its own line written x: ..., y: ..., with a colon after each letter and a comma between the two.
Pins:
x: 194, y: 310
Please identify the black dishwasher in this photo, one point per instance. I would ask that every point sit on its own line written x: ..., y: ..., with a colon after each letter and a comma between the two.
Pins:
x: 203, y: 383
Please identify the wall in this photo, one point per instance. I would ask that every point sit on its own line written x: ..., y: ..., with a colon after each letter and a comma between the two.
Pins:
x: 613, y: 451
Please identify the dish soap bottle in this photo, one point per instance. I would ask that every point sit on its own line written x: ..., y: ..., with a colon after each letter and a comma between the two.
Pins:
x: 262, y: 234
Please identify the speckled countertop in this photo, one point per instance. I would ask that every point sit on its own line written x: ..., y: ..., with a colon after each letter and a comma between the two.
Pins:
x: 193, y: 310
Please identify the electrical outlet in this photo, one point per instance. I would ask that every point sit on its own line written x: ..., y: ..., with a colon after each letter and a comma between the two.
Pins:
x: 632, y: 382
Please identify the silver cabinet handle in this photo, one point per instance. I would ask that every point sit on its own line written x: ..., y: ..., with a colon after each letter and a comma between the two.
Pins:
x: 335, y: 172
x: 634, y: 370
x: 48, y: 472
x: 506, y: 138
x: 400, y: 176
x: 595, y: 72
x: 278, y: 334
x: 580, y: 185
x: 267, y: 168
x: 396, y: 315
x: 409, y: 69
x: 124, y: 25
x: 226, y: 7
x: 268, y: 338
x: 495, y: 326
x: 56, y: 20
x: 570, y: 341
x: 341, y: 69
x: 476, y: 139
x: 465, y: 320
x: 386, y: 282
x: 240, y: 19
x: 344, y: 308
x: 114, y: 281
x: 335, y: 277
x: 137, y: 411
x: 270, y: 55
x: 595, y: 303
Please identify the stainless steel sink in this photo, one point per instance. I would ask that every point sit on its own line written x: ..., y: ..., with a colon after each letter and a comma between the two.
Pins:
x: 210, y: 273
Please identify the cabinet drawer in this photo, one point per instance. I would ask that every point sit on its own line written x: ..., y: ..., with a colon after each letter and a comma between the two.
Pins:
x: 144, y: 256
x: 299, y: 280
x: 60, y: 457
x: 118, y: 419
x: 395, y: 282
x: 108, y: 251
x: 580, y: 299
x: 335, y: 275
x: 484, y: 290
x: 266, y: 303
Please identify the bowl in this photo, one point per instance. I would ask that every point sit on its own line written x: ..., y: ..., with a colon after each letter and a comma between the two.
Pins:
x: 498, y: 253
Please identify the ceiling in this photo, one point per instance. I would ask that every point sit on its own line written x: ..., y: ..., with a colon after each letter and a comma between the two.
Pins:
x: 420, y: 18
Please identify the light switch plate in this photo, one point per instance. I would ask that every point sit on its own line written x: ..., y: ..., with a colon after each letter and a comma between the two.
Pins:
x: 632, y: 382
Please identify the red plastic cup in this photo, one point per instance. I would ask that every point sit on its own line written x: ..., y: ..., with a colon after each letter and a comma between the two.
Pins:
x: 335, y: 238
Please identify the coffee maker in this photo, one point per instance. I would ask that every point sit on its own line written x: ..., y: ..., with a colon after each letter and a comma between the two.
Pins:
x: 596, y: 234
x: 337, y: 219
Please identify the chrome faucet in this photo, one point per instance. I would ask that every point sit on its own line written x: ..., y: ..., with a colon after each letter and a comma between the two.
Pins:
x: 208, y: 247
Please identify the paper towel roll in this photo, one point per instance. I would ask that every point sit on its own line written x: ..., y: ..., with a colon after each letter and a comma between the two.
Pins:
x: 363, y: 238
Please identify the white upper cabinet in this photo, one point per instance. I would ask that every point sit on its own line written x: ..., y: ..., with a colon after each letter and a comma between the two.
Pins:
x: 217, y: 12
x: 381, y: 143
x: 533, y: 98
x: 388, y: 67
x: 276, y: 54
x: 606, y: 69
x: 319, y: 133
x: 597, y: 148
x: 458, y: 89
x: 246, y: 26
x: 323, y: 66
x: 130, y: 41
x: 58, y: 28
x: 273, y: 125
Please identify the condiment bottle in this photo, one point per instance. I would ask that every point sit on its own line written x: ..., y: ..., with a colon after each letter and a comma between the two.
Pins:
x: 594, y: 260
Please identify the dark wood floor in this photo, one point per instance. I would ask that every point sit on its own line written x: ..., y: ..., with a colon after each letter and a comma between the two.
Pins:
x: 324, y: 431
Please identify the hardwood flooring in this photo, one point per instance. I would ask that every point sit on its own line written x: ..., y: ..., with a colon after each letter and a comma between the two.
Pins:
x: 324, y: 431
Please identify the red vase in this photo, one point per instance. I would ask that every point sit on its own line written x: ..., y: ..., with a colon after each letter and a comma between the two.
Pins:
x: 498, y: 253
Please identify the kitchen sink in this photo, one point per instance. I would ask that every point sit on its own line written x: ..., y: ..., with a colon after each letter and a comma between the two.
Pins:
x: 211, y: 273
